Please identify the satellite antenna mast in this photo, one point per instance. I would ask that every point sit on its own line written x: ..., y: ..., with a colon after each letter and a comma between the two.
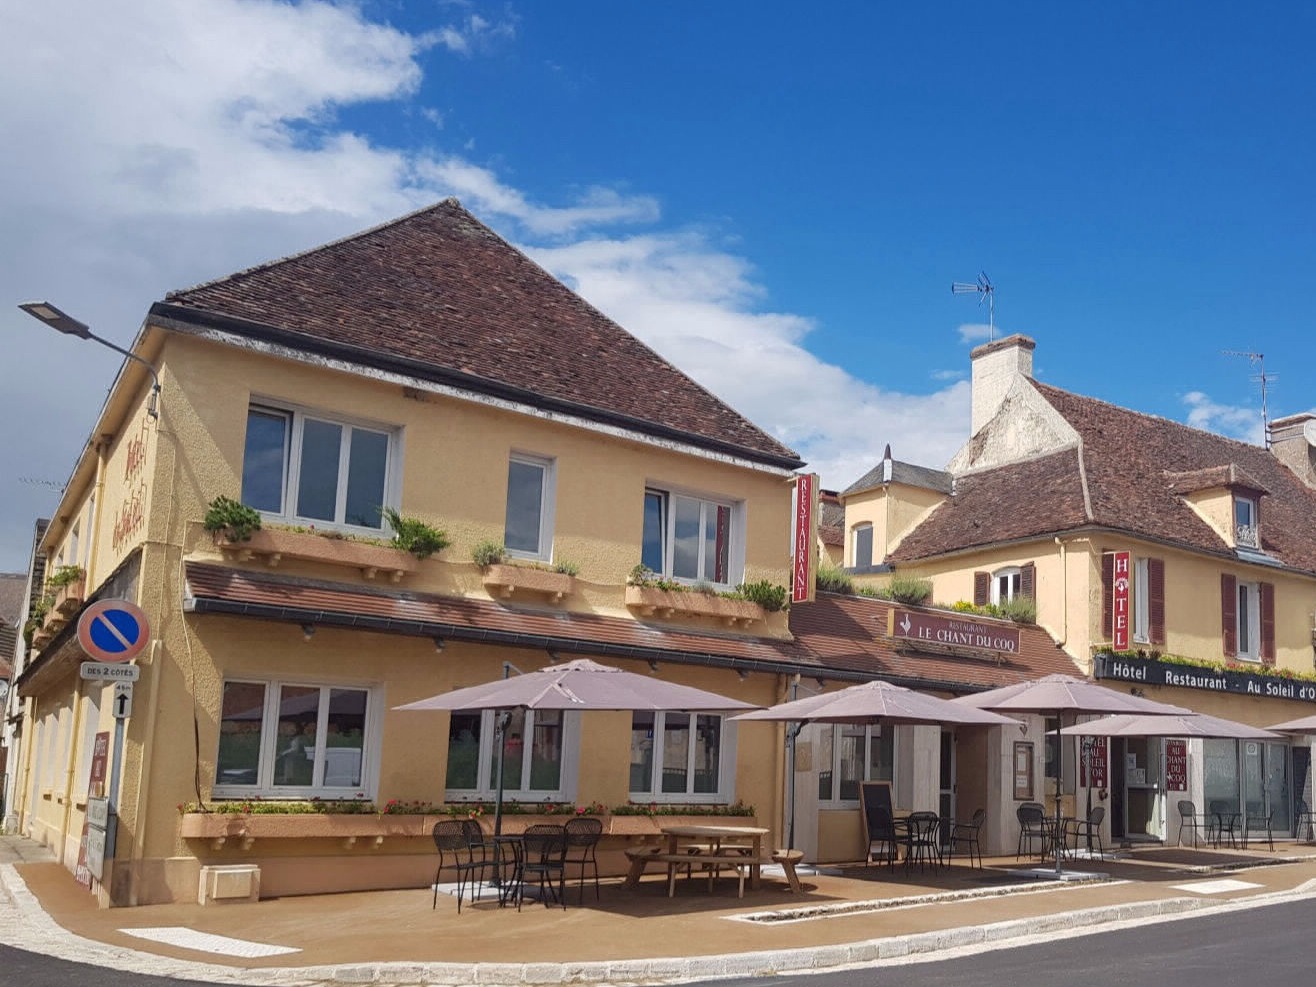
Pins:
x: 1258, y: 360
x: 983, y: 288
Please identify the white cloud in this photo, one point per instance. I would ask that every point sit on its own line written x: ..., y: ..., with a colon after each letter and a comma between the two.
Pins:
x: 474, y: 33
x: 1235, y: 421
x: 947, y: 375
x: 974, y: 332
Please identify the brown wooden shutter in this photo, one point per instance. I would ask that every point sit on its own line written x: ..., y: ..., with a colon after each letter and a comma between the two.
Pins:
x: 1107, y: 596
x: 982, y: 589
x: 1229, y: 614
x: 1268, y: 623
x: 1028, y: 580
x: 1156, y: 600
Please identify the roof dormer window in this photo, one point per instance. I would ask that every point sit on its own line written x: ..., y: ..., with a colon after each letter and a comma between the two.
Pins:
x: 1245, y: 522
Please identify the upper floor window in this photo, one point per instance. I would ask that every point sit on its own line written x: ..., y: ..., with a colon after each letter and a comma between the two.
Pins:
x: 1141, y: 601
x: 528, y: 532
x: 311, y: 467
x: 691, y: 538
x: 535, y: 744
x: 1007, y: 584
x: 1248, y: 625
x: 863, y: 545
x: 295, y: 740
x: 1245, y: 522
x: 1249, y: 621
x: 850, y: 753
x: 680, y: 756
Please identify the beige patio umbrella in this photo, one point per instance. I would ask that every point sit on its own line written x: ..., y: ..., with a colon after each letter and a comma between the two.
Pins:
x: 1198, y: 725
x: 1055, y: 695
x: 1304, y: 725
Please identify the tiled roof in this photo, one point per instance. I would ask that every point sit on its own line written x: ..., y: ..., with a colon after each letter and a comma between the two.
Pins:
x: 1135, y: 469
x: 441, y: 292
x: 12, y: 587
x: 831, y: 519
x: 906, y: 473
x: 837, y: 634
x: 1009, y: 503
x: 850, y: 632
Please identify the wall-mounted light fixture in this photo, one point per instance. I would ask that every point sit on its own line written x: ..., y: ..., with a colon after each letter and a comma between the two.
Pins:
x: 439, y: 644
x: 61, y: 321
x: 743, y: 673
x: 653, y: 664
x: 553, y: 656
x: 308, y: 631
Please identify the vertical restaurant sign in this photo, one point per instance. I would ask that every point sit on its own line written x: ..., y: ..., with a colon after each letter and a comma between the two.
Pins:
x: 804, y: 567
x: 100, y: 758
x: 1176, y: 765
x: 1120, y: 612
x: 1092, y: 772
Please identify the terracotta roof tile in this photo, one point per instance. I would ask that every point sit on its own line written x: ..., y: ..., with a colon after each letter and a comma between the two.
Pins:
x: 439, y: 289
x: 1191, y: 481
x: 831, y: 519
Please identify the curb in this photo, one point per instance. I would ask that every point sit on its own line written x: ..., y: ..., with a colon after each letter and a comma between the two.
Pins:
x: 25, y: 925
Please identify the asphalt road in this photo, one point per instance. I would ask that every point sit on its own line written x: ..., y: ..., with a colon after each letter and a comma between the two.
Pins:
x: 1250, y: 948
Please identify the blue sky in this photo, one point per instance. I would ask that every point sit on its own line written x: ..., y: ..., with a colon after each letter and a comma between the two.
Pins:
x: 776, y: 197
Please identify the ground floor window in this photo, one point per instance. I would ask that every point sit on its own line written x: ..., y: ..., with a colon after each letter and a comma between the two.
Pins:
x: 533, y: 750
x: 680, y: 756
x: 294, y: 740
x: 850, y: 753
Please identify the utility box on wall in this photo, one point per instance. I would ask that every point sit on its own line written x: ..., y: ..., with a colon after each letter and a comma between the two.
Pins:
x: 229, y: 882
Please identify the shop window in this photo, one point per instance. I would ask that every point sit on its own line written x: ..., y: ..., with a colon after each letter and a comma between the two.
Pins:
x: 290, y: 740
x: 304, y: 467
x: 693, y: 539
x: 850, y: 753
x: 535, y: 743
x: 528, y: 532
x: 680, y: 757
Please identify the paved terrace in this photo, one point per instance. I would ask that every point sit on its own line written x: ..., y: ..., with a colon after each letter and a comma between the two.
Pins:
x: 859, y: 914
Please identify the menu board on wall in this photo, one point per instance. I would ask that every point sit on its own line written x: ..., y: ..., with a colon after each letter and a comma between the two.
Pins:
x: 1176, y: 765
x: 1092, y: 767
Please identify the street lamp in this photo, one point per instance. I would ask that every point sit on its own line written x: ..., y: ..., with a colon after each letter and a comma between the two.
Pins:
x: 63, y: 322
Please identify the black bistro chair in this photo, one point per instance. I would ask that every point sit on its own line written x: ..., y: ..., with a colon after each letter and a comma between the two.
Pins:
x: 921, y: 844
x: 1302, y: 818
x: 967, y: 837
x: 583, y: 835
x: 1087, y: 832
x: 544, y: 846
x: 1191, y: 822
x: 1258, y: 818
x: 1032, y: 827
x: 1225, y: 824
x: 883, y: 837
x: 461, y: 848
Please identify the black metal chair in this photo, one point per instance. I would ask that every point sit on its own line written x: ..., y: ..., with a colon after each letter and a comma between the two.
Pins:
x: 1226, y: 822
x: 1032, y: 826
x: 545, y: 849
x: 1257, y: 817
x: 461, y: 848
x: 1302, y: 816
x: 882, y: 835
x: 967, y: 836
x: 1089, y: 830
x: 921, y: 844
x: 583, y: 836
x: 1190, y: 821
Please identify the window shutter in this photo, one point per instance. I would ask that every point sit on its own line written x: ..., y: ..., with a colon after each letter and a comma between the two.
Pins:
x: 1268, y: 623
x: 982, y: 588
x: 1107, y: 596
x: 1156, y: 600
x: 1229, y: 614
x: 1028, y: 580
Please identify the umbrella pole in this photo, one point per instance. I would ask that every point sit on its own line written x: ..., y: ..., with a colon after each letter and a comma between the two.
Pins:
x: 792, y: 733
x: 1060, y: 771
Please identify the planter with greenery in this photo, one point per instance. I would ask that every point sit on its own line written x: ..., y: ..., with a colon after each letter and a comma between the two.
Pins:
x: 414, y: 535
x: 503, y: 579
x: 67, y: 588
x: 488, y: 553
x: 663, y: 602
x: 231, y: 520
x: 373, y: 558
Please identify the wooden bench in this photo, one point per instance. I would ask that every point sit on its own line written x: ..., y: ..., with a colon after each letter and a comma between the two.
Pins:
x: 640, y: 858
x: 788, y: 859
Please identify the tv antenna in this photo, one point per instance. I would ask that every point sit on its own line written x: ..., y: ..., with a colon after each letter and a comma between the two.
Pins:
x: 1258, y: 360
x: 983, y: 288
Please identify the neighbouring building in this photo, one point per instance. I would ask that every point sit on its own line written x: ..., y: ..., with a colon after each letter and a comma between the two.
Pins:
x: 1163, y: 558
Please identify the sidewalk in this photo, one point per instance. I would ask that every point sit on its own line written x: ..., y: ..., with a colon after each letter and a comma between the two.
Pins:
x: 395, y: 937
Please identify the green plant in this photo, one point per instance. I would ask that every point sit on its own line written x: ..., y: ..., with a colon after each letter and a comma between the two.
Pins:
x: 704, y: 586
x: 414, y: 535
x: 235, y: 521
x: 832, y: 579
x: 65, y: 575
x: 770, y: 596
x: 912, y: 590
x: 488, y: 553
x: 641, y: 575
x: 736, y: 808
x: 1021, y: 609
x: 566, y: 568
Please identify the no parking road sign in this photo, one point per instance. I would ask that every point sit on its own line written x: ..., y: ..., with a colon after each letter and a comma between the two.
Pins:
x: 113, y: 630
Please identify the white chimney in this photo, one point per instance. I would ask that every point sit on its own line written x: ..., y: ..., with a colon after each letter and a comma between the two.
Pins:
x: 995, y: 367
x: 1293, y: 441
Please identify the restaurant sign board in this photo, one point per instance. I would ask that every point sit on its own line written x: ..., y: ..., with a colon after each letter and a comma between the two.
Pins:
x: 953, y: 631
x: 1149, y: 671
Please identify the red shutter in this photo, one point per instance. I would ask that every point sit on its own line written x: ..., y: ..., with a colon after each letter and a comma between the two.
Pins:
x: 1268, y: 623
x: 1028, y: 580
x: 1107, y: 596
x: 982, y: 589
x: 1229, y: 614
x: 1156, y: 600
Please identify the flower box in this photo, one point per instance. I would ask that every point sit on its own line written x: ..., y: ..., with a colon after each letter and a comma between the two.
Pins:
x: 274, y: 545
x: 42, y: 636
x: 504, y: 580
x: 69, y: 597
x: 650, y: 601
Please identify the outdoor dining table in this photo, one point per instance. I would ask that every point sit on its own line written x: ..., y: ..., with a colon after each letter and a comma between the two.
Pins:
x: 714, y: 836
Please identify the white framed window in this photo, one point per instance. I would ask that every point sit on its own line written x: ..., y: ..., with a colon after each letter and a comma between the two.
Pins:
x: 850, y: 753
x: 528, y: 531
x: 1249, y: 621
x: 538, y: 755
x: 681, y: 757
x: 74, y: 539
x: 1007, y: 584
x: 297, y: 740
x: 1141, y: 601
x: 307, y: 467
x: 1245, y: 522
x: 693, y: 538
x: 862, y: 552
